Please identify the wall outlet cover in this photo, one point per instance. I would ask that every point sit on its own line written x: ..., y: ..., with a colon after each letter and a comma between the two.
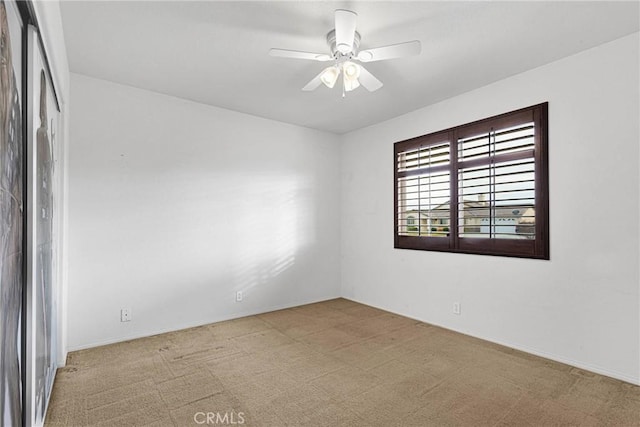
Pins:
x: 125, y: 315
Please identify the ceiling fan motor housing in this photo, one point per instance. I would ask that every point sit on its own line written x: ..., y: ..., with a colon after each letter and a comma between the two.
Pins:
x: 331, y: 41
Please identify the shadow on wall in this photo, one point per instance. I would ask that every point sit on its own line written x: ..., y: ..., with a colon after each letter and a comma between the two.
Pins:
x: 273, y: 221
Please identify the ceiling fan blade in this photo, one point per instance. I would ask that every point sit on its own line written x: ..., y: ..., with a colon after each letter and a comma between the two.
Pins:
x: 345, y: 30
x: 314, y: 83
x: 297, y: 54
x: 368, y: 80
x: 389, y: 52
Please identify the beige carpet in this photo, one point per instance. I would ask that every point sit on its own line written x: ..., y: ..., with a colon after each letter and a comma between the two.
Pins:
x: 335, y: 363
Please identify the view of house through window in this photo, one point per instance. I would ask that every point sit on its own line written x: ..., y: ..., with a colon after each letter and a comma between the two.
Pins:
x: 499, y: 187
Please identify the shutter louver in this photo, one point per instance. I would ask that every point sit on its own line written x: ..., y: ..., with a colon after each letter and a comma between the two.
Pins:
x: 496, y: 184
x: 423, y: 191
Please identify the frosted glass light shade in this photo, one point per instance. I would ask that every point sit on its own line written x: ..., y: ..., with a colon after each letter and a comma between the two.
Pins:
x: 329, y: 76
x: 351, y: 73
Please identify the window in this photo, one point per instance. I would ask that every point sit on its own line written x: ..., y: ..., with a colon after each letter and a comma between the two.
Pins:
x: 479, y: 188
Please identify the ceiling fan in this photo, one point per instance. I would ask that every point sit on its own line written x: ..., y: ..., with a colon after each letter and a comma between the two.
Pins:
x: 344, y: 44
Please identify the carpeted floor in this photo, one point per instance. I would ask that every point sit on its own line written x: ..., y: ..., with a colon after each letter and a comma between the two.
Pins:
x: 335, y: 363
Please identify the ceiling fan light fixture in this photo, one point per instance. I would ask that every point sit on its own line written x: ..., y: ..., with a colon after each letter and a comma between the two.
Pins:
x: 329, y: 76
x: 351, y: 84
x: 351, y: 73
x: 351, y: 70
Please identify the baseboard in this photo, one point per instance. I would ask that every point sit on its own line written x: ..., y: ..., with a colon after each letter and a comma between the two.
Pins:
x: 576, y: 364
x: 201, y: 322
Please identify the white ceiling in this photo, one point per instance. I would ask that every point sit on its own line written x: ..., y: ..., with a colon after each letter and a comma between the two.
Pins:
x: 217, y: 52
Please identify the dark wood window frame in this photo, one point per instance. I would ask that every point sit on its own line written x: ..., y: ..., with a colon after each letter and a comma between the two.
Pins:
x: 451, y: 239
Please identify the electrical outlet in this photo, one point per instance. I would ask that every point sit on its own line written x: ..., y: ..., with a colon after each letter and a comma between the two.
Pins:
x: 238, y: 296
x: 456, y: 308
x: 125, y: 315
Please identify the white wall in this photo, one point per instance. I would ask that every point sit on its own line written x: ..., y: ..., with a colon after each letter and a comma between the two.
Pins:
x: 582, y: 307
x: 174, y: 206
